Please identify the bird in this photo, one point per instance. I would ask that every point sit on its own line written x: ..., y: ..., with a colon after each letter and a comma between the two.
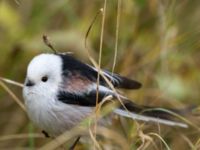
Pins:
x: 60, y: 91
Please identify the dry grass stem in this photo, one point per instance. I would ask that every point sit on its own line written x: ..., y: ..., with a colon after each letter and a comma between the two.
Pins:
x: 12, y: 82
x: 15, y: 98
x: 20, y: 136
x: 119, y: 3
x: 158, y: 136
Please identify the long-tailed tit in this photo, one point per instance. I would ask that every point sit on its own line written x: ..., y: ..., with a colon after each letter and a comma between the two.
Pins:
x: 60, y: 91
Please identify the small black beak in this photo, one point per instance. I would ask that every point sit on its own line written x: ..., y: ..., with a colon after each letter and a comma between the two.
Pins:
x: 29, y: 83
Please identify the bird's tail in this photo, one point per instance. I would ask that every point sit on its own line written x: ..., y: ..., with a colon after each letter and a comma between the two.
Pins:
x: 152, y: 114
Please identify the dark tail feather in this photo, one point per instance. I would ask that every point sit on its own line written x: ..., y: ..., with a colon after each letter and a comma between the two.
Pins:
x: 153, y: 114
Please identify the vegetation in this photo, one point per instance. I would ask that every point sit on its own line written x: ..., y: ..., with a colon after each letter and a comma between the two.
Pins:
x: 157, y: 43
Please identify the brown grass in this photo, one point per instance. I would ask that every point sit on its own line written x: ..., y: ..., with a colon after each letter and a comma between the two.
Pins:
x: 154, y: 41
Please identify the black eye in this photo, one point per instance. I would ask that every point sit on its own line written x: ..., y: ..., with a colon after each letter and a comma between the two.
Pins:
x: 44, y: 79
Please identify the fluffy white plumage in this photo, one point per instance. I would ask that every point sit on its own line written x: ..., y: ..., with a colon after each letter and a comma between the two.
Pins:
x: 43, y: 108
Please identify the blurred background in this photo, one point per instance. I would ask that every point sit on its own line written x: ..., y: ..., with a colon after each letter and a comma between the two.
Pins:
x: 158, y: 45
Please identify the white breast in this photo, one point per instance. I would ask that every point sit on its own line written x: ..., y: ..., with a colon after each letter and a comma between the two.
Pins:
x: 54, y: 116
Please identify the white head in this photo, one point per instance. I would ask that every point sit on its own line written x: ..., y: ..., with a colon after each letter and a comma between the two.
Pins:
x: 44, y: 74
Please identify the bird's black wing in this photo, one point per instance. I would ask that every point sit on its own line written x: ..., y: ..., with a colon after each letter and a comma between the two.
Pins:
x: 79, y: 88
x: 73, y: 66
x: 84, y: 99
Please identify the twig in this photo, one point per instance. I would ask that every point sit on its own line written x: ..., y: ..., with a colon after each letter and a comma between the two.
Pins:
x: 16, y: 99
x: 47, y: 43
x: 21, y: 136
x: 12, y: 82
x: 99, y: 62
x: 75, y: 143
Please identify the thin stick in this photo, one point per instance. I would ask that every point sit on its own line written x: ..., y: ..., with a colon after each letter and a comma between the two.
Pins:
x: 117, y: 34
x: 100, y: 49
x: 16, y: 99
x: 75, y: 143
x: 99, y: 63
x: 93, y: 136
x: 12, y: 82
x: 47, y: 43
x: 20, y: 136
